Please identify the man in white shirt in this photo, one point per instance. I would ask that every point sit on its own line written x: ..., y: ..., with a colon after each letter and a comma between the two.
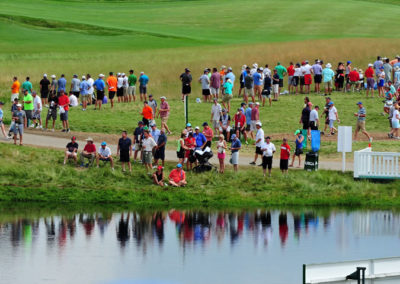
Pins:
x: 254, y: 69
x: 333, y: 116
x: 216, y: 112
x: 259, y: 142
x: 104, y: 154
x: 90, y: 82
x: 307, y: 69
x: 120, y: 89
x: 205, y: 86
x: 125, y: 86
x: 73, y: 101
x: 268, y: 149
x: 37, y: 110
x: 267, y: 71
x: 314, y: 122
x: 148, y: 145
x: 153, y: 104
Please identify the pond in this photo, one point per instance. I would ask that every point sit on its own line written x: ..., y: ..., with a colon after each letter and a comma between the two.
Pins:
x: 187, y: 246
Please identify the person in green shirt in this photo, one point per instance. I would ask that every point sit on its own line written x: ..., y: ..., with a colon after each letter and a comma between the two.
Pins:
x: 132, y: 79
x: 28, y: 106
x: 27, y: 85
x: 281, y: 70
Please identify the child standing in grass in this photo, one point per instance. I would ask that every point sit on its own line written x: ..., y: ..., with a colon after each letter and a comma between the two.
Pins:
x: 285, y: 154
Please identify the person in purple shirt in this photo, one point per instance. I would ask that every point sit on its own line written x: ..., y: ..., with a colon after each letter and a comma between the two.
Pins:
x: 215, y: 83
x: 317, y: 71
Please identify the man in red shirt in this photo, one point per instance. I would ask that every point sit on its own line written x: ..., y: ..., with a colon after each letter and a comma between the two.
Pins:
x: 88, y: 152
x: 208, y: 133
x: 63, y: 102
x: 177, y: 177
x: 240, y: 123
x: 285, y: 154
x: 354, y: 77
x: 290, y: 71
x: 369, y: 74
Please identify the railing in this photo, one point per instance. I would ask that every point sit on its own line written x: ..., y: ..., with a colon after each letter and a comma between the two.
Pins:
x: 379, y: 165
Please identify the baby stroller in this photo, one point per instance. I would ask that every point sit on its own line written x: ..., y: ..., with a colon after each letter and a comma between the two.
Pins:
x: 203, y: 157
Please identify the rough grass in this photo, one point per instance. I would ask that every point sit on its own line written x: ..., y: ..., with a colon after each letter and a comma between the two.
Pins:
x: 37, y: 175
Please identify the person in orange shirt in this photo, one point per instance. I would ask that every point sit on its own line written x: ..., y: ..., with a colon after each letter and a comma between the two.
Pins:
x: 15, y: 89
x: 222, y: 74
x: 112, y: 87
x: 147, y: 113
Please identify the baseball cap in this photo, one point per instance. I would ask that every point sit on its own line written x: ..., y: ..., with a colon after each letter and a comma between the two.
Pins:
x: 153, y: 124
x: 89, y: 139
x: 19, y: 105
x: 229, y: 68
x: 73, y: 138
x: 118, y: 74
x: 297, y: 132
x: 123, y: 74
x: 267, y: 137
x: 140, y: 123
x: 160, y: 167
x: 223, y: 110
x: 239, y: 109
x: 103, y: 143
x: 53, y: 76
x: 205, y: 124
x: 250, y: 103
x: 223, y: 67
x: 44, y: 75
x: 370, y: 65
x: 259, y: 123
x: 381, y: 68
x: 257, y: 103
x: 215, y: 99
x: 197, y: 128
x: 243, y: 104
x: 150, y: 96
x: 83, y: 77
x: 359, y: 103
x: 163, y: 98
x: 348, y: 62
x: 233, y: 136
x: 145, y: 128
x: 188, y: 124
x: 179, y: 165
x: 101, y: 75
x: 330, y: 103
x: 261, y: 69
x: 187, y: 69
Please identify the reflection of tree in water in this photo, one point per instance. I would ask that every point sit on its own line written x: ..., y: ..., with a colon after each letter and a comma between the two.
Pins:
x: 123, y: 230
x: 283, y: 228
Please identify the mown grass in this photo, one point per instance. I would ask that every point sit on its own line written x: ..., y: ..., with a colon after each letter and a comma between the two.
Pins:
x: 37, y: 175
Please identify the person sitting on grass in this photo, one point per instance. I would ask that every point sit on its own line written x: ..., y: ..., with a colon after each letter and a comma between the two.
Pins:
x: 177, y: 177
x: 72, y: 151
x: 285, y: 155
x: 104, y: 154
x: 88, y: 152
x: 299, y: 147
x: 158, y: 176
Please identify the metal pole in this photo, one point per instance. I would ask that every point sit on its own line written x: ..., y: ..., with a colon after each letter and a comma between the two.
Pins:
x: 186, y: 109
x: 343, y: 161
x: 304, y: 274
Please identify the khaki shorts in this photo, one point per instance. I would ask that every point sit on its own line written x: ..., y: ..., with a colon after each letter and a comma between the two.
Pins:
x: 214, y: 91
x: 147, y: 157
x: 215, y: 124
x: 14, y: 96
x: 249, y: 92
x: 328, y: 85
x: 131, y: 90
x: 360, y: 126
x: 227, y: 98
x: 164, y: 119
x: 125, y: 91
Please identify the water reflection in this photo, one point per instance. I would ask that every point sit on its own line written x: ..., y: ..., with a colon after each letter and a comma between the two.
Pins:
x: 302, y: 234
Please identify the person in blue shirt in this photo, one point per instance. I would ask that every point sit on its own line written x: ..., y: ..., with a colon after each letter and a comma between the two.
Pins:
x: 299, y: 147
x: 155, y: 133
x: 99, y: 85
x: 62, y: 82
x: 230, y: 76
x: 247, y: 113
x: 257, y: 79
x: 200, y: 139
x: 235, y: 147
x: 143, y: 80
x: 84, y: 89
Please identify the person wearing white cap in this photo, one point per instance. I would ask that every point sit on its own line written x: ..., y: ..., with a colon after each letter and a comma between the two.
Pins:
x: 75, y: 83
x: 44, y: 89
x: 125, y: 86
x: 90, y: 97
x: 100, y: 86
x: 84, y: 88
x: 205, y: 86
x: 254, y: 69
x: 120, y: 88
x: 396, y: 77
x: 259, y: 142
x: 19, y: 118
x: 229, y: 75
x: 327, y: 75
x: 163, y: 113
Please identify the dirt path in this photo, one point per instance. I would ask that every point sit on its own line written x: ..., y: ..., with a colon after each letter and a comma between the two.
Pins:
x: 59, y: 140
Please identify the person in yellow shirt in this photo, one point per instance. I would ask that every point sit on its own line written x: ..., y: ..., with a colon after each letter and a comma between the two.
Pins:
x: 15, y: 89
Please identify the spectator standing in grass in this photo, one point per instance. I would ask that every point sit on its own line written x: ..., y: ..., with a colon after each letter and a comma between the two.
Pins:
x: 255, y: 117
x: 268, y: 149
x: 138, y: 136
x: 248, y: 86
x: 328, y: 74
x: 266, y: 92
x: 120, y: 88
x: 229, y: 75
x: 299, y: 147
x: 224, y: 122
x: 177, y: 177
x: 112, y: 84
x: 28, y: 107
x: 243, y: 74
x: 369, y: 74
x: 27, y: 85
x: 381, y: 82
x: 15, y: 89
x: 259, y: 141
x: 52, y: 112
x: 63, y: 102
x: 84, y: 89
x: 290, y: 71
x: 37, y: 110
x: 354, y: 77
x: 333, y: 116
x: 180, y: 150
x: 387, y: 67
x: 163, y: 112
x: 275, y: 85
x: 75, y: 86
x: 208, y: 133
x: 190, y: 145
x: 305, y: 115
x: 205, y: 85
x: 285, y: 155
x: 19, y: 118
x: 248, y: 120
x: 258, y: 83
x: 227, y: 96
x: 90, y: 97
x: 216, y: 112
x: 61, y: 85
x: 240, y: 124
x: 143, y: 82
x: 104, y: 154
x: 124, y: 151
x: 147, y: 114
x: 296, y: 77
x: 200, y: 139
x: 307, y: 70
x: 71, y: 151
x: 377, y: 65
x: 160, y: 148
x: 215, y: 83
x: 314, y: 118
x: 44, y: 89
x: 89, y: 152
x: 281, y: 70
x: 221, y: 148
x: 396, y: 77
x: 361, y: 116
x: 148, y: 146
x: 186, y: 79
x: 132, y: 79
x: 125, y: 86
x: 153, y: 104
x: 99, y: 85
x: 317, y: 71
x: 54, y: 85
x: 235, y: 148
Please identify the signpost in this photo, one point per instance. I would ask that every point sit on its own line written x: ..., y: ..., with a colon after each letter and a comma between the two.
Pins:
x: 344, y: 143
x: 186, y: 109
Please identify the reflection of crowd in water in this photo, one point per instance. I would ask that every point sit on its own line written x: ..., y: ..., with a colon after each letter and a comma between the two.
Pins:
x: 192, y: 227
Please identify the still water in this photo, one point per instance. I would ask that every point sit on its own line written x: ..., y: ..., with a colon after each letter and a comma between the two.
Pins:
x: 188, y: 246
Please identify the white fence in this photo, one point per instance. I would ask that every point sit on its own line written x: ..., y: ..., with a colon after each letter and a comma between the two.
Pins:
x: 383, y: 270
x: 377, y: 165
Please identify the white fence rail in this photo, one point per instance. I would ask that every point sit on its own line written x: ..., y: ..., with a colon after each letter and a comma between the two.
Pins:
x: 378, y: 165
x: 382, y: 270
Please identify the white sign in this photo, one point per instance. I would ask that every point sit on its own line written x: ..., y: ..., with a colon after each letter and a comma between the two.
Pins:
x: 344, y: 139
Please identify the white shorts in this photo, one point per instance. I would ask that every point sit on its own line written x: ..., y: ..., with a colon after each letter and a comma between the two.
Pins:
x: 275, y: 88
x: 215, y: 124
x: 214, y: 91
x: 253, y: 125
x: 14, y: 96
x: 131, y: 90
x: 228, y: 129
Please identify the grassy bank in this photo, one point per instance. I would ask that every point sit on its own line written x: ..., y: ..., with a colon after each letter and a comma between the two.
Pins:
x: 37, y: 175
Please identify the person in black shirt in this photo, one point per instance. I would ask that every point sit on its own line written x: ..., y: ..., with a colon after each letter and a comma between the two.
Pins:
x: 266, y: 92
x: 160, y: 149
x: 124, y: 151
x: 71, y: 151
x: 52, y: 112
x: 158, y: 176
x: 138, y: 137
x: 305, y: 115
x: 44, y: 89
x: 275, y: 83
x: 186, y: 79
